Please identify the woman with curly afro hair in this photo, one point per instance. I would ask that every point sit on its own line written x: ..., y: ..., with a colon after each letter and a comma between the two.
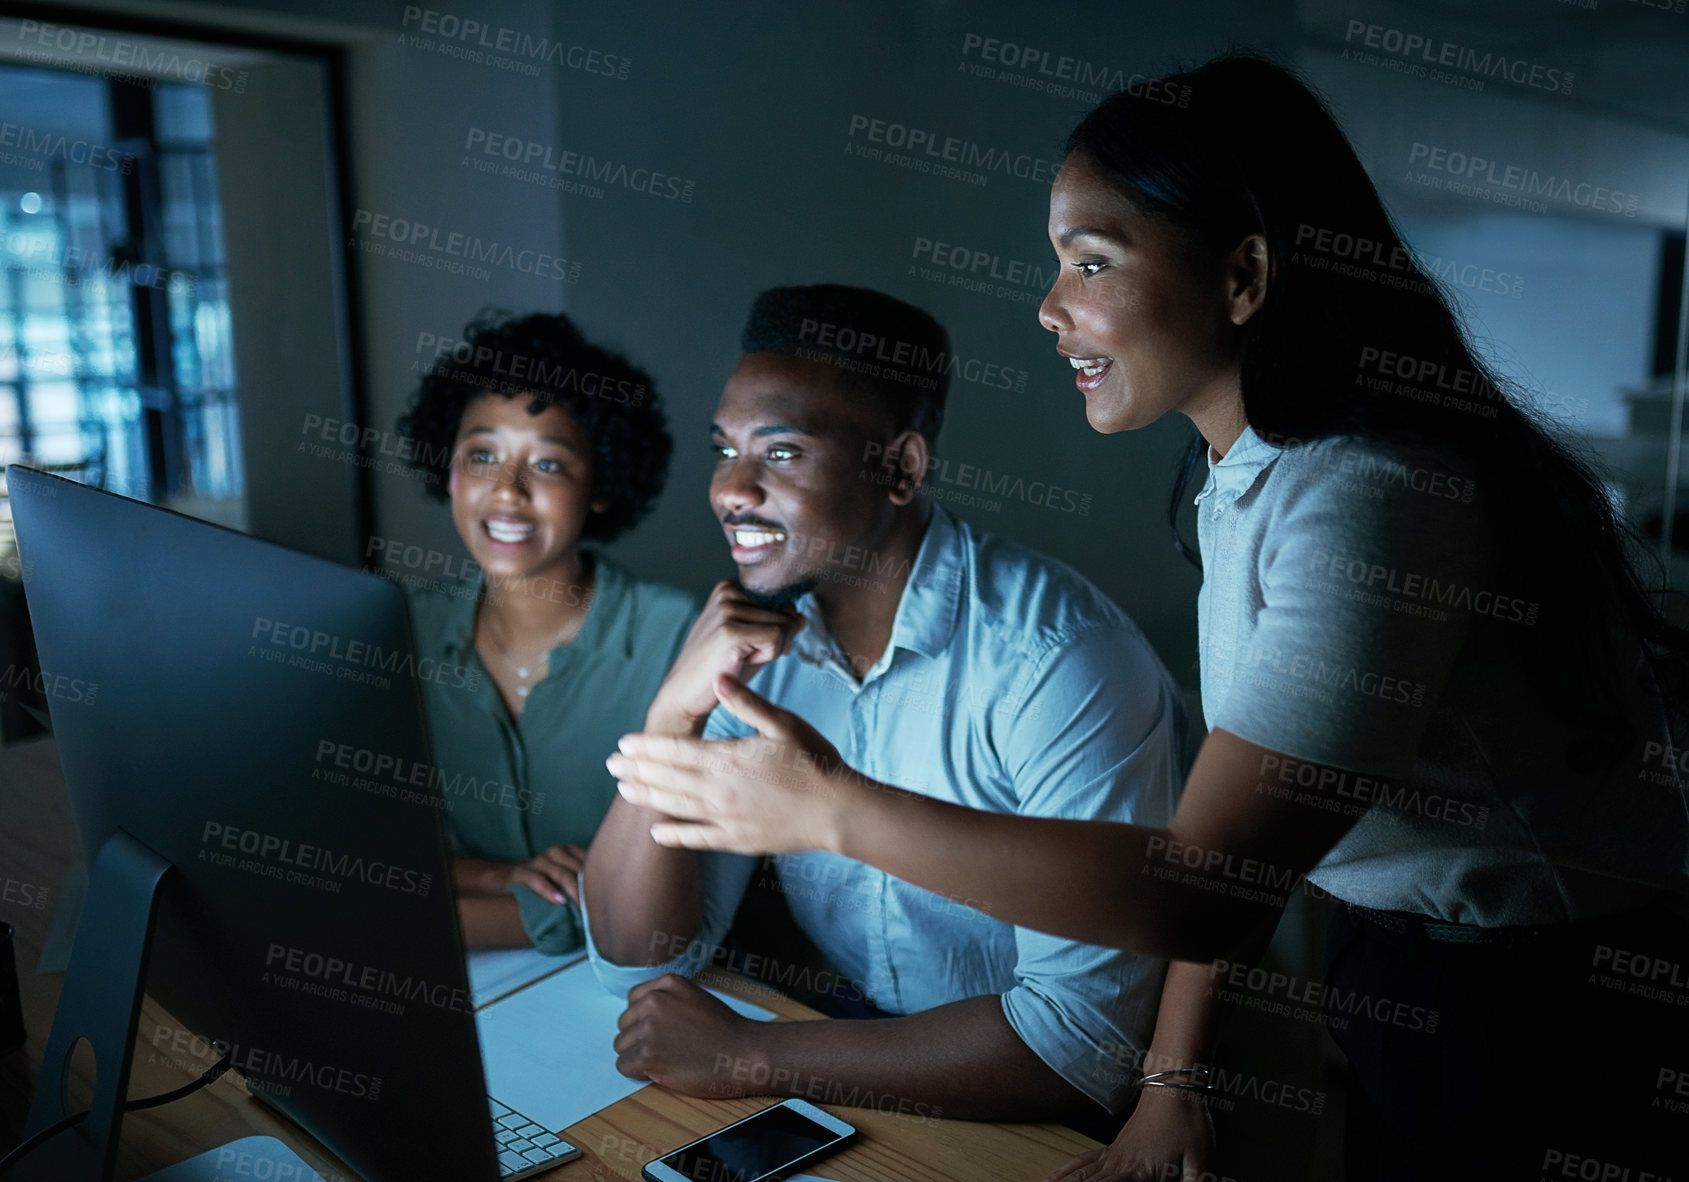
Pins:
x: 540, y: 441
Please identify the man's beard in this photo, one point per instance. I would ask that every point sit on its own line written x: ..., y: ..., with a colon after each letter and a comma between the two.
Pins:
x: 782, y: 598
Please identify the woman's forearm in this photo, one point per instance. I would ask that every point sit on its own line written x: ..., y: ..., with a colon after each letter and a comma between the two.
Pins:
x: 1184, y: 1023
x: 1208, y: 887
x: 492, y: 921
x: 1078, y: 879
x: 479, y: 876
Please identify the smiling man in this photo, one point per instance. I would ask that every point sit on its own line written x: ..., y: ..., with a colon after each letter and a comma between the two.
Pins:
x: 924, y: 655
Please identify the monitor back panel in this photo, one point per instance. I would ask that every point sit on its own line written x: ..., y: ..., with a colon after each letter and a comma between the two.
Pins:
x: 254, y: 716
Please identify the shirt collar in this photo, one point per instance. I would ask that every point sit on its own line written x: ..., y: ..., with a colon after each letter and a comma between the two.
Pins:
x: 1233, y: 473
x: 928, y: 609
x: 932, y: 596
x: 609, y: 582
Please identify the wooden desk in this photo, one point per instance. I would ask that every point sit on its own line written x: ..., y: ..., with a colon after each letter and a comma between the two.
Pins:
x: 37, y: 847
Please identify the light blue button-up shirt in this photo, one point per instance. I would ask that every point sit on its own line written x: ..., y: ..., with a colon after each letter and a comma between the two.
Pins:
x: 1010, y: 684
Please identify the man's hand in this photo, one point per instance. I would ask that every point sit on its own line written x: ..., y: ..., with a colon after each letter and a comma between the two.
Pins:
x: 777, y: 792
x: 676, y: 1034
x: 731, y: 635
x: 1168, y: 1137
x: 551, y: 875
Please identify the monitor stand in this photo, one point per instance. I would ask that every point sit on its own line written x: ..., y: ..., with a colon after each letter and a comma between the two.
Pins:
x: 100, y: 1002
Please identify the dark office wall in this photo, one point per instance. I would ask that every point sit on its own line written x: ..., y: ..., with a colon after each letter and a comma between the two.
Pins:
x: 424, y: 217
x: 758, y: 113
x: 276, y: 181
x: 757, y: 116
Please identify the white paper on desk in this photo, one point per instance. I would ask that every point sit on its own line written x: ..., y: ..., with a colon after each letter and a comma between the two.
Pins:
x: 549, y: 1050
x: 494, y: 972
x: 248, y: 1158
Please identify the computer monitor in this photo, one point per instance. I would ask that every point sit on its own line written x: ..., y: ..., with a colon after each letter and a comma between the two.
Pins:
x: 243, y: 739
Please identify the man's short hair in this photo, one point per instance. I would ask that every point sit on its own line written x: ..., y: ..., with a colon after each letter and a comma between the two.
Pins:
x: 885, y: 349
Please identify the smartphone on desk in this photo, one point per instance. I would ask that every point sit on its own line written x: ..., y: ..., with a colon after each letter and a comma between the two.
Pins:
x: 765, y: 1146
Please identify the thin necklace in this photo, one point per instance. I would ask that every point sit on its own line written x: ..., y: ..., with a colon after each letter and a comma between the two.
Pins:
x: 525, y: 671
x: 585, y: 572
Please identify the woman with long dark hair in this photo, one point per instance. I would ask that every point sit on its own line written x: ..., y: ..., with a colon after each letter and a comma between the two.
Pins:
x: 1434, y: 681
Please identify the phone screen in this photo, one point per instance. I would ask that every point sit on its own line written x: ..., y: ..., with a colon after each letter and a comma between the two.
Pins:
x: 775, y: 1137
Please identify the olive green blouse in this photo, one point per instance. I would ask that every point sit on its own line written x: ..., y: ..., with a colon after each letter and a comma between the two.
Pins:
x: 513, y: 788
